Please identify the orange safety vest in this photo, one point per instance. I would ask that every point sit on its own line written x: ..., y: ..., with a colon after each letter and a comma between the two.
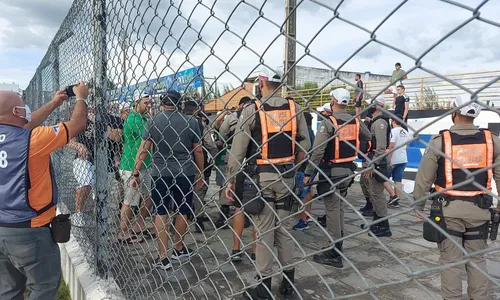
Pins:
x: 276, y: 133
x: 471, y: 152
x: 338, y: 150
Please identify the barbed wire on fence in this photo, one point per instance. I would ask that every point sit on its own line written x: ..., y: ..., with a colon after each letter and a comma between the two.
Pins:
x: 117, y: 46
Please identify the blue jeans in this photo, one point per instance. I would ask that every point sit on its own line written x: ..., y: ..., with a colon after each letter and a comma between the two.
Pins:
x: 397, y: 172
x: 30, y: 259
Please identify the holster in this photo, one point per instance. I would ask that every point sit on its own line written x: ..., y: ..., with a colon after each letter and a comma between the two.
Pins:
x: 381, y: 168
x: 249, y: 191
x: 430, y: 232
x: 285, y: 203
x: 325, y: 187
x: 60, y: 228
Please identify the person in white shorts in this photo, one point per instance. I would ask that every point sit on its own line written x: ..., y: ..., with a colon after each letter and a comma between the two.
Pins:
x: 132, y: 131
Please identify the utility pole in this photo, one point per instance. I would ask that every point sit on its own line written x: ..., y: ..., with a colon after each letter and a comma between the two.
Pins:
x: 290, y: 44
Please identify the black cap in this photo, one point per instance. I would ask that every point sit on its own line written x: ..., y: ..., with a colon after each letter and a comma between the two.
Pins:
x: 191, y: 103
x: 244, y: 100
x: 172, y: 98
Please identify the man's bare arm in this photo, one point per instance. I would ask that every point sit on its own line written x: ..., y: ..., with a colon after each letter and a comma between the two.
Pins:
x: 142, y: 154
x: 41, y: 114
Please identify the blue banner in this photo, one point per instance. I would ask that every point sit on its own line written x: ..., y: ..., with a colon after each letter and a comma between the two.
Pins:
x: 184, y: 80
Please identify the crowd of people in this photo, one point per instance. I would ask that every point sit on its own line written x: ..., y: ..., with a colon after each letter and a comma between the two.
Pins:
x: 266, y: 160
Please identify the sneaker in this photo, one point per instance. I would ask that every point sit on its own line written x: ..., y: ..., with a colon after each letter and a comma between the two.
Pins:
x: 301, y: 225
x: 163, y: 264
x: 394, y: 204
x: 252, y: 256
x: 77, y: 219
x: 185, y: 252
x: 309, y: 220
x: 236, y: 256
x: 393, y: 199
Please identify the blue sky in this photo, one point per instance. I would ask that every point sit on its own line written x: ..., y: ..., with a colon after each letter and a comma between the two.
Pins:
x: 28, y: 26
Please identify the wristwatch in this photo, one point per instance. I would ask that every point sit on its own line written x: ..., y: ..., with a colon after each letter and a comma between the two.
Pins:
x: 86, y: 101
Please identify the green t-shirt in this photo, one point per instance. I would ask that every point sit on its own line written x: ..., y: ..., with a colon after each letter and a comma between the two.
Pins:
x: 397, y: 75
x: 132, y: 136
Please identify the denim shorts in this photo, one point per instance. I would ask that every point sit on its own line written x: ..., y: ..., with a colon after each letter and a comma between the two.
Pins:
x: 180, y: 189
x: 397, y: 172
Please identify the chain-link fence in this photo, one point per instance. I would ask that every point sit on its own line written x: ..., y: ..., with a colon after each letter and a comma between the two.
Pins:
x: 175, y: 235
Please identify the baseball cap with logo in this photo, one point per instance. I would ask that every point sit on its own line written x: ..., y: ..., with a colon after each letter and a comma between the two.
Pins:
x: 471, y: 109
x: 379, y: 100
x: 341, y: 95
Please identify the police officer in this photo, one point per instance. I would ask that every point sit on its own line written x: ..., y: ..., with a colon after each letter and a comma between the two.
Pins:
x: 273, y: 134
x: 380, y: 131
x: 367, y: 209
x: 193, y: 108
x: 335, y: 148
x: 227, y: 125
x: 464, y: 208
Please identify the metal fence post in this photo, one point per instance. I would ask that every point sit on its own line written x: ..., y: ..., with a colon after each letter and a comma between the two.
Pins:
x: 39, y: 90
x: 101, y: 151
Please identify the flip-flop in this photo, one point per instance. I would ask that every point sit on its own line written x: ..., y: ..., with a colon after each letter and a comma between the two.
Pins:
x: 131, y: 241
x: 147, y: 233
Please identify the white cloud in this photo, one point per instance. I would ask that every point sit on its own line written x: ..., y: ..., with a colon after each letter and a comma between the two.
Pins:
x: 156, y: 32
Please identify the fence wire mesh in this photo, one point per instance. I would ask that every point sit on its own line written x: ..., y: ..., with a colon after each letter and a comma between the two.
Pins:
x: 122, y: 49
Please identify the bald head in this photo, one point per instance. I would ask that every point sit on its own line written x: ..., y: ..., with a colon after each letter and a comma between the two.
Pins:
x: 8, y: 102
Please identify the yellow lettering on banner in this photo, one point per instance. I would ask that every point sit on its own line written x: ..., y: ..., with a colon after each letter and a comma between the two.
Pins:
x: 278, y: 120
x: 469, y: 156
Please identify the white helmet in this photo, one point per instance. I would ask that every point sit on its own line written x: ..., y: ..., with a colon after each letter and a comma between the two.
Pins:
x: 341, y: 95
x: 471, y: 109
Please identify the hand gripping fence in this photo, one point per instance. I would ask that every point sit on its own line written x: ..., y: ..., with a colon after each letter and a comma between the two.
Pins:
x: 125, y: 49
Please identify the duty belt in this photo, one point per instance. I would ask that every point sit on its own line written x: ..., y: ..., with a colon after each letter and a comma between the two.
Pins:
x: 481, y: 201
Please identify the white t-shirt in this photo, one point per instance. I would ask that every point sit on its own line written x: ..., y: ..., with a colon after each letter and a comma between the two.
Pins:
x: 399, y: 136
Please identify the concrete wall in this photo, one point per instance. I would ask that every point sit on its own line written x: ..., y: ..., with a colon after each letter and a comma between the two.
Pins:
x: 323, y: 76
x: 13, y: 87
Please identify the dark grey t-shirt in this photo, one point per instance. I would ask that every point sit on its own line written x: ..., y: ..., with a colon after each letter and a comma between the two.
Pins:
x: 173, y: 135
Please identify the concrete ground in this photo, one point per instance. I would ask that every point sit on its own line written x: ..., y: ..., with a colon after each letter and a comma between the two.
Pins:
x: 394, y: 268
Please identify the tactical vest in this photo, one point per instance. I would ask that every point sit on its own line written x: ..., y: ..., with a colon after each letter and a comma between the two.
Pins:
x: 340, y: 149
x: 471, y: 152
x: 388, y: 135
x: 275, y: 133
x: 15, y: 208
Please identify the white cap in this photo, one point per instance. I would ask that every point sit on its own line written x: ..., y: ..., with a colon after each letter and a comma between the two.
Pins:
x: 341, y: 95
x: 379, y: 100
x: 138, y: 95
x: 471, y: 109
x: 270, y: 76
x: 326, y: 107
x: 124, y: 105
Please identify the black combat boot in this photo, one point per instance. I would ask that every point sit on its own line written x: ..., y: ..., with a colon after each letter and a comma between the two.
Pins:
x: 330, y: 257
x: 260, y: 292
x: 221, y: 221
x: 382, y: 230
x: 375, y: 217
x: 286, y: 286
x: 367, y: 210
x: 322, y: 220
x: 200, y: 227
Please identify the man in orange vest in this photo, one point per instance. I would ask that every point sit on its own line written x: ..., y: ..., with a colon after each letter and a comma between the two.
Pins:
x: 461, y: 207
x: 336, y: 146
x: 272, y: 135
